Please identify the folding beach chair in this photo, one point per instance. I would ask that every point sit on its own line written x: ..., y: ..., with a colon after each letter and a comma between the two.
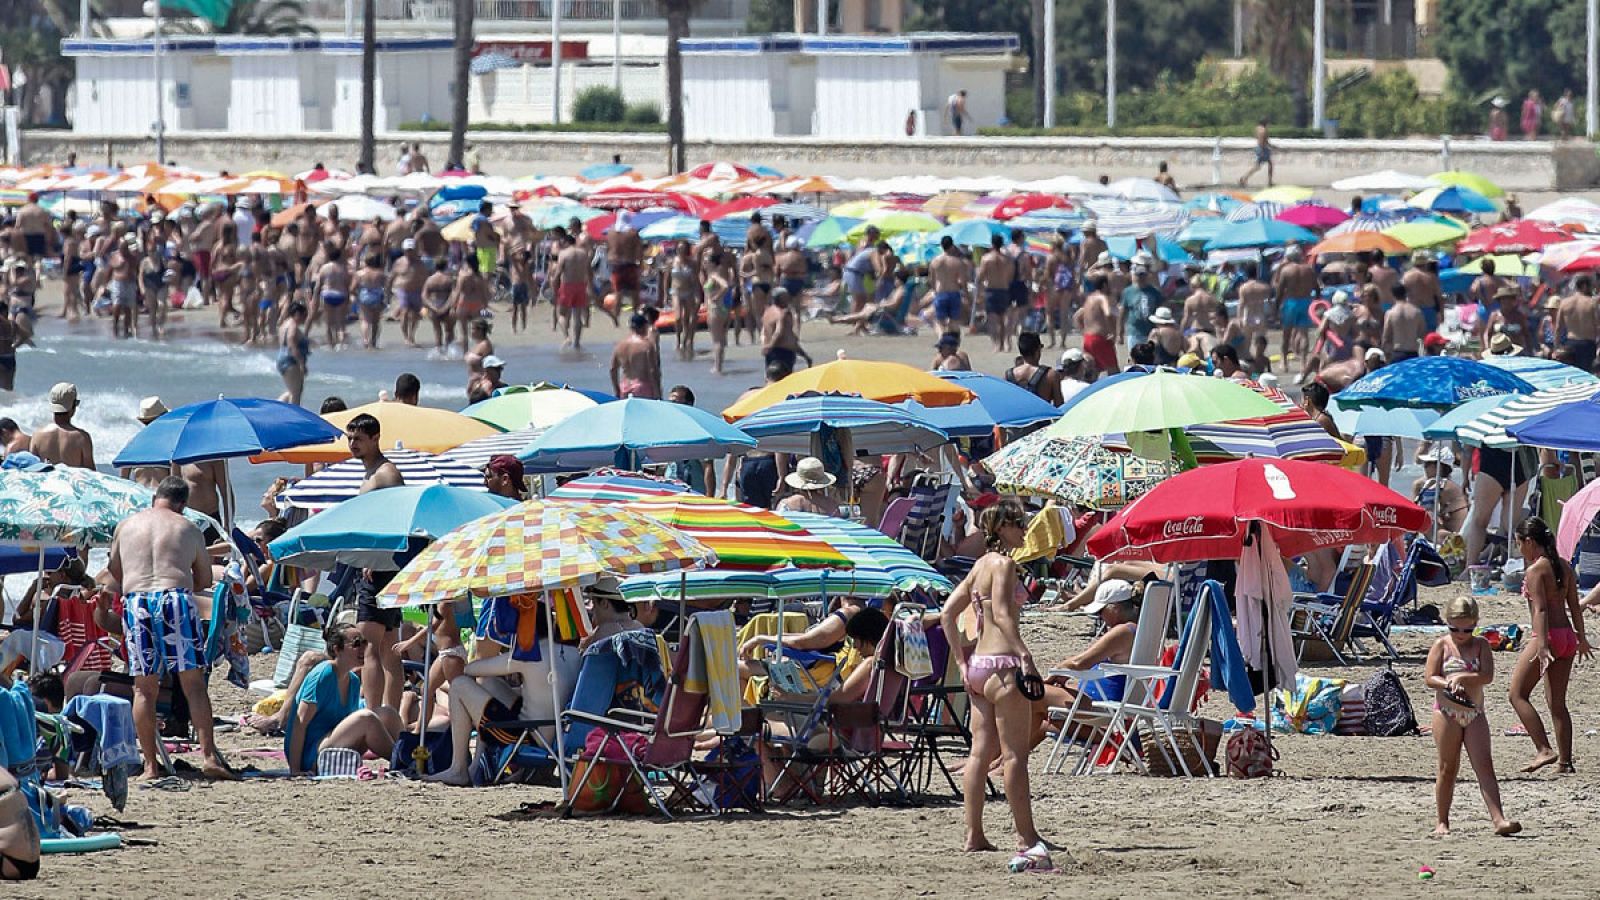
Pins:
x: 866, y: 744
x: 931, y: 502
x: 1374, y: 618
x: 1328, y: 619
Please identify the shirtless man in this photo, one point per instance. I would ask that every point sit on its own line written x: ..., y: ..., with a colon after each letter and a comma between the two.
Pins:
x: 307, y: 241
x: 406, y: 279
x: 948, y: 355
x: 37, y: 229
x: 1295, y: 286
x: 1482, y: 291
x: 8, y: 356
x: 624, y: 251
x: 124, y: 289
x: 436, y: 291
x: 758, y: 268
x: 792, y: 268
x: 158, y: 562
x: 1382, y: 276
x: 995, y: 272
x: 431, y: 245
x: 12, y: 438
x: 570, y: 282
x: 1577, y: 321
x: 1097, y: 322
x: 780, y: 333
x: 1021, y: 287
x: 950, y: 273
x: 1422, y: 286
x: 1253, y: 294
x: 201, y: 243
x: 382, y: 678
x: 210, y: 491
x: 1199, y: 308
x: 1091, y: 248
x: 636, y: 362
x: 470, y: 299
x: 61, y: 442
x: 1403, y: 328
x: 1263, y: 154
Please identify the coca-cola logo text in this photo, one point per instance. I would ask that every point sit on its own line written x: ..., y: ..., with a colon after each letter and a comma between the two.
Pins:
x: 1192, y: 525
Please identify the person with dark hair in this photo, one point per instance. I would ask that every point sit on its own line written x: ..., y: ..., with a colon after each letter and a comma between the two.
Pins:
x: 636, y: 363
x: 294, y: 352
x: 1031, y: 375
x: 504, y: 476
x: 1142, y: 354
x: 382, y: 679
x: 326, y: 712
x: 950, y: 273
x: 1226, y: 359
x: 158, y: 561
x: 407, y: 389
x: 470, y: 297
x: 1001, y: 681
x: 780, y: 331
x: 12, y: 438
x: 332, y: 404
x: 996, y: 270
x: 698, y: 474
x: 570, y: 284
x: 757, y: 471
x: 1555, y: 641
x: 1314, y: 397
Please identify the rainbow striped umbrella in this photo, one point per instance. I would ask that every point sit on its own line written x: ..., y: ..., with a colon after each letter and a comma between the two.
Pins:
x: 619, y: 485
x: 743, y: 537
x: 537, y: 547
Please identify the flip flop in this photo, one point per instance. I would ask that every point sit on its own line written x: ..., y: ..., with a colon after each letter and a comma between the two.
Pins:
x: 1516, y: 731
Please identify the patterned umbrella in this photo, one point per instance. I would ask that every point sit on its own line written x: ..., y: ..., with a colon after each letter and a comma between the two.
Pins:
x: 68, y: 507
x: 537, y: 547
x: 1264, y: 209
x: 1076, y: 470
x: 1291, y: 434
x: 743, y: 537
x: 1365, y: 222
x: 523, y: 409
x: 619, y: 485
x: 342, y: 481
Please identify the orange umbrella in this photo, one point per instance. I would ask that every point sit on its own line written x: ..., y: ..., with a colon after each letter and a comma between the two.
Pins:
x: 885, y: 382
x: 283, y: 217
x: 400, y: 424
x: 1360, y: 242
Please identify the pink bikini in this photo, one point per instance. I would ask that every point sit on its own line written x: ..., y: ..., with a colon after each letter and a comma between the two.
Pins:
x: 981, y: 666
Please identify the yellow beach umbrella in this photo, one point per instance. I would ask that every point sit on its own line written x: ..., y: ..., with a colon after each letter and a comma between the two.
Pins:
x: 1283, y: 193
x: 885, y: 382
x: 400, y: 424
x: 857, y: 209
x: 1470, y: 180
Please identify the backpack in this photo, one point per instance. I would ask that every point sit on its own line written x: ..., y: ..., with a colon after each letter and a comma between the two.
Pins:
x: 1249, y: 754
x: 1388, y: 708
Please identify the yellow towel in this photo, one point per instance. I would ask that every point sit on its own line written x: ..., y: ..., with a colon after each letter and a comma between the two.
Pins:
x: 713, y: 667
x: 1047, y: 534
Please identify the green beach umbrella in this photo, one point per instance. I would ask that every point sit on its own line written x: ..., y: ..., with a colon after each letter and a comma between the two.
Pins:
x: 1469, y: 180
x: 1505, y: 264
x: 831, y: 232
x: 1426, y: 233
x: 1161, y: 401
x: 891, y: 224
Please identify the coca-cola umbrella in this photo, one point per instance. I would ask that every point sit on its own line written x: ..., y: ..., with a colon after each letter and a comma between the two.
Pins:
x: 1520, y: 236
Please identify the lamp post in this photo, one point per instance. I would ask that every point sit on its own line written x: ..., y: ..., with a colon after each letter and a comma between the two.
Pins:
x: 152, y: 8
x: 555, y: 61
x: 1047, y: 59
x: 1111, y: 63
x: 1319, y: 75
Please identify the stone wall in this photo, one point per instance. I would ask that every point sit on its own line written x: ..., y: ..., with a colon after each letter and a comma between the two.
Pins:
x: 1534, y: 166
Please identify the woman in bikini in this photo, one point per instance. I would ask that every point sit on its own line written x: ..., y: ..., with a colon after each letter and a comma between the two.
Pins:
x: 1460, y: 665
x: 995, y: 674
x: 19, y: 833
x: 1556, y: 640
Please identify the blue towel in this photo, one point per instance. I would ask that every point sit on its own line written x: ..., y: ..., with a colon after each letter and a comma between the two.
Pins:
x: 1227, y: 660
x: 19, y: 736
x: 112, y: 720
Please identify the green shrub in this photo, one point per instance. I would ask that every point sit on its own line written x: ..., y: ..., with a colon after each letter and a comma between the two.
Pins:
x: 573, y: 127
x: 598, y: 103
x: 642, y: 114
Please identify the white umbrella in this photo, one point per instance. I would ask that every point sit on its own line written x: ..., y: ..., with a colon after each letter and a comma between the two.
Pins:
x: 1144, y: 189
x: 361, y: 208
x: 1386, y: 181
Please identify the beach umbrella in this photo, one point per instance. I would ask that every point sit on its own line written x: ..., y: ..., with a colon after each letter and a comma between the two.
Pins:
x: 886, y: 382
x: 1470, y: 180
x: 741, y: 206
x: 1379, y: 422
x: 477, y: 452
x: 1207, y: 513
x: 64, y: 506
x: 1142, y: 189
x: 796, y: 212
x: 997, y: 403
x: 1291, y: 433
x: 361, y: 208
x: 741, y: 536
x: 222, y: 429
x: 1506, y: 265
x: 1431, y: 381
x: 1556, y: 414
x: 529, y: 409
x: 893, y: 222
x: 631, y: 433
x: 1452, y: 200
x: 1159, y: 401
x: 1425, y: 233
x: 400, y: 425
x: 915, y: 248
x: 1022, y: 204
x: 972, y: 233
x: 1572, y: 256
x: 792, y: 425
x: 1200, y: 231
x: 1569, y: 211
x: 723, y: 171
x: 342, y: 481
x: 1577, y: 515
x: 602, y: 171
x: 857, y: 209
x: 1050, y: 220
x: 1444, y: 427
x: 1218, y: 203
x: 1358, y: 242
x: 1320, y: 216
x: 1127, y: 247
x: 1260, y: 233
x: 1079, y: 470
x: 1120, y: 217
x: 828, y: 233
x: 368, y: 531
x: 1541, y: 373
x: 1385, y: 181
x: 546, y: 216
x: 1520, y: 236
x: 1283, y: 193
x: 607, y: 485
x: 1264, y: 209
x: 674, y: 228
x: 1366, y: 222
x: 948, y: 203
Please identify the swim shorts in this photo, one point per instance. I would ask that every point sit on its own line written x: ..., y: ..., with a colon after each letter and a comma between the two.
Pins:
x: 162, y: 632
x: 333, y: 299
x: 572, y: 295
x: 1296, y: 312
x: 947, y: 305
x: 202, y: 264
x: 996, y: 300
x: 624, y: 277
x: 488, y: 258
x: 410, y: 300
x: 367, y: 609
x: 519, y: 295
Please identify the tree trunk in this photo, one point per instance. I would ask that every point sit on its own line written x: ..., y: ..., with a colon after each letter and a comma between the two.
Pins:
x: 677, y: 30
x: 1043, y: 65
x: 369, y: 82
x: 465, y: 11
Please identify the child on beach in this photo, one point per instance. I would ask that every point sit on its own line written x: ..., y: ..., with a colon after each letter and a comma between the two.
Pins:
x: 1460, y: 665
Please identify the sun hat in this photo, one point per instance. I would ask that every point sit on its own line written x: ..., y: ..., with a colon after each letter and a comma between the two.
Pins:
x: 1502, y: 345
x: 1162, y: 316
x: 151, y: 409
x: 63, y: 397
x: 809, y: 475
x: 493, y: 362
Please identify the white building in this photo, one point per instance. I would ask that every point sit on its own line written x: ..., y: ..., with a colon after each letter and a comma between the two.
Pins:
x: 254, y: 85
x: 841, y: 85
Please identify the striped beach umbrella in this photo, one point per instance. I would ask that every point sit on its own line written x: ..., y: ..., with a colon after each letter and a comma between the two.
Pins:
x: 618, y: 485
x: 1365, y: 222
x: 342, y: 481
x: 1261, y: 209
x: 1541, y: 373
x: 477, y: 452
x: 1290, y: 434
x: 743, y: 537
x: 1489, y: 429
x: 788, y: 426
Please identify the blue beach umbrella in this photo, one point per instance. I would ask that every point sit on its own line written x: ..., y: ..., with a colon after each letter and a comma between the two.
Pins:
x: 223, y: 429
x: 630, y: 433
x: 1202, y: 231
x: 916, y: 248
x: 1431, y: 381
x: 787, y: 426
x: 999, y: 403
x: 1213, y: 202
x: 368, y: 530
x: 1260, y: 233
x: 673, y: 228
x: 1123, y: 246
x: 602, y: 171
x: 1453, y: 199
x: 1444, y: 428
x: 1541, y: 373
x: 1572, y: 426
x: 1378, y: 422
x: 973, y: 232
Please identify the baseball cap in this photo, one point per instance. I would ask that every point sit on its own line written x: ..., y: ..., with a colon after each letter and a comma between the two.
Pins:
x: 507, y: 465
x: 408, y: 244
x: 1071, y: 355
x: 63, y: 397
x: 493, y: 362
x: 1377, y: 354
x: 1435, y: 340
x: 1113, y: 590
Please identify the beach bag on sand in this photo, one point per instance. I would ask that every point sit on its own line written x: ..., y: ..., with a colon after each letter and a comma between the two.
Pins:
x: 1250, y: 755
x: 1389, y: 712
x: 1312, y: 708
x: 603, y: 785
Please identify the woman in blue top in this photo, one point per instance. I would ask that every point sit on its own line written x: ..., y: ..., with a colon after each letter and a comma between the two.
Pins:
x: 327, y: 710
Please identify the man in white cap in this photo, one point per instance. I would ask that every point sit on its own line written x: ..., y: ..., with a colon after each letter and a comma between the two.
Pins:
x: 1097, y: 321
x: 488, y: 381
x: 810, y: 480
x: 1093, y: 247
x: 1073, y: 370
x: 62, y: 442
x: 1436, y: 492
x: 1295, y: 286
x: 406, y: 279
x: 624, y: 250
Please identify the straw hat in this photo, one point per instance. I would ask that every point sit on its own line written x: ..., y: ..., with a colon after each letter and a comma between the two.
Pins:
x: 151, y: 409
x: 1162, y: 316
x: 1502, y: 345
x: 810, y: 475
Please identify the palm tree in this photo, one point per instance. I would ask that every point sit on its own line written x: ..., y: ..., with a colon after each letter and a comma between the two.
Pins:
x: 466, y: 10
x: 1283, y: 36
x: 369, y: 80
x: 677, y: 29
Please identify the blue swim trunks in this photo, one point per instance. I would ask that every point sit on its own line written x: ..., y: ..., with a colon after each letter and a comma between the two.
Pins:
x: 162, y: 631
x: 1296, y: 312
x: 947, y: 305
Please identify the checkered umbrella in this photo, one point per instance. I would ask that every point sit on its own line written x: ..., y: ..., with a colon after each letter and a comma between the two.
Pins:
x: 1076, y: 470
x: 537, y: 547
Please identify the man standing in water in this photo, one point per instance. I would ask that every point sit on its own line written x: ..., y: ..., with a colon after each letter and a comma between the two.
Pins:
x: 995, y: 272
x: 61, y: 442
x: 780, y: 333
x: 571, y: 285
x: 158, y: 560
x: 636, y: 362
x: 623, y: 252
x: 382, y: 678
x: 1097, y: 320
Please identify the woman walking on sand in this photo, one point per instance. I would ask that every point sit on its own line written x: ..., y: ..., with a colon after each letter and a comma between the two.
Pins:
x: 1555, y: 642
x: 1001, y: 682
x: 1460, y: 665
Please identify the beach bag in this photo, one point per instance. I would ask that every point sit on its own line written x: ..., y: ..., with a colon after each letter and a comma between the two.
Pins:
x: 338, y: 762
x: 911, y: 657
x: 735, y: 774
x: 297, y: 639
x: 1312, y: 708
x: 441, y: 753
x: 602, y: 785
x: 1389, y: 712
x: 1157, y: 754
x: 1250, y: 755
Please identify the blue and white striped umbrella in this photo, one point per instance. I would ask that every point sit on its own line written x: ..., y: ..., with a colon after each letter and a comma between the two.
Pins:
x: 875, y: 427
x: 1489, y: 429
x: 1261, y: 209
x: 1050, y: 220
x: 1365, y: 222
x: 795, y: 212
x: 341, y: 481
x: 1115, y: 217
x: 1542, y: 373
x: 477, y: 452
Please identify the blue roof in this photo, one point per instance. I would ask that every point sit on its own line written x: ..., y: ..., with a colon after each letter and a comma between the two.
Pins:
x: 917, y: 42
x: 135, y: 46
x: 234, y: 45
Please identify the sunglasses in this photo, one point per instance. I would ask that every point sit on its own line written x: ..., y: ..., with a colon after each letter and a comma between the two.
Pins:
x: 362, y: 642
x: 1467, y: 630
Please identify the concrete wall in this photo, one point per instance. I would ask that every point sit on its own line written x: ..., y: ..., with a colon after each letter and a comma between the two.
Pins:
x: 1518, y: 166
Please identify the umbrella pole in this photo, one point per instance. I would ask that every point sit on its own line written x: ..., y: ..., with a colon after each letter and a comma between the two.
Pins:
x: 555, y: 689
x: 38, y: 594
x: 420, y: 755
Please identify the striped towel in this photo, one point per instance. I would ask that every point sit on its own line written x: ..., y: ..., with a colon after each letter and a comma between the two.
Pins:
x: 1352, y: 710
x: 713, y: 669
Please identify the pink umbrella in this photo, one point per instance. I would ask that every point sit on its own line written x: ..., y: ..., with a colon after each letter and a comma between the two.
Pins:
x: 1313, y: 215
x: 1576, y: 516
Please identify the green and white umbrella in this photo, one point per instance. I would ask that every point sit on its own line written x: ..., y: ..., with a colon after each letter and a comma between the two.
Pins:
x: 68, y: 507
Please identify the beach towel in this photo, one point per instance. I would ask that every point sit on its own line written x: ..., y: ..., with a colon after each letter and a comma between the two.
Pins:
x: 112, y: 720
x: 1227, y: 662
x: 1263, y: 581
x: 76, y: 626
x: 1049, y: 532
x: 712, y: 669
